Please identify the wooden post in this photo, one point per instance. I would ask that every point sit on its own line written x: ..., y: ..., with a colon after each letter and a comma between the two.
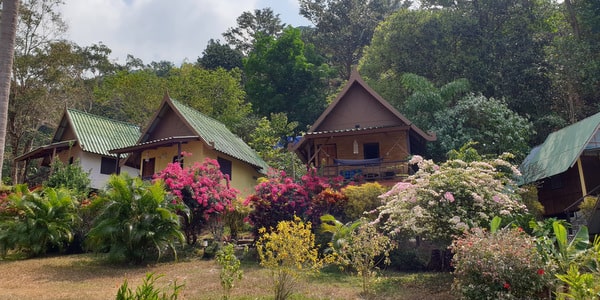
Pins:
x: 581, y: 177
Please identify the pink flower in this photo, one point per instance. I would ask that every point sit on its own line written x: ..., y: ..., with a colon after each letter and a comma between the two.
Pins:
x: 540, y: 271
x: 448, y: 196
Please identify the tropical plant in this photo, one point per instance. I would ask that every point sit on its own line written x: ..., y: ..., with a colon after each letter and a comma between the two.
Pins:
x: 289, y: 252
x: 503, y: 264
x: 148, y: 290
x: 235, y: 217
x: 135, y: 218
x: 441, y: 201
x: 42, y: 219
x: 230, y: 269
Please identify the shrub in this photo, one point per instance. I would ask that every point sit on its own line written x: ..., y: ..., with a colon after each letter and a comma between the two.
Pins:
x: 42, y: 219
x: 442, y: 201
x: 204, y: 190
x: 69, y: 176
x: 500, y: 265
x: 148, y: 290
x: 230, y: 269
x: 289, y: 251
x: 362, y: 198
x: 277, y: 198
x: 235, y: 217
x: 135, y: 218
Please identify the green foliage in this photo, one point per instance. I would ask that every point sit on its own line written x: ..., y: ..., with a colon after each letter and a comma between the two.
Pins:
x: 230, y: 269
x: 217, y: 55
x: 340, y: 232
x: 234, y: 218
x: 362, y: 199
x: 282, y: 77
x: 69, y: 176
x: 149, y: 291
x: 363, y: 250
x: 42, y: 219
x: 588, y: 206
x: 289, y: 251
x: 503, y: 264
x: 487, y: 121
x: 251, y: 26
x: 580, y: 285
x: 135, y: 218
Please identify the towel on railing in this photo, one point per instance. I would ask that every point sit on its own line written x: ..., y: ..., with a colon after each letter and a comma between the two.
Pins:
x: 357, y: 162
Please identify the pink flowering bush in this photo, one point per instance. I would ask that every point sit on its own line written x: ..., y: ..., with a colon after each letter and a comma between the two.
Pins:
x: 500, y: 265
x: 441, y: 201
x: 203, y: 189
x: 277, y: 198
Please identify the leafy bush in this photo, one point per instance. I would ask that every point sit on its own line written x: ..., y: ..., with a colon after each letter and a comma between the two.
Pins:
x: 42, y: 219
x: 148, y: 290
x: 135, y: 218
x: 289, y: 251
x: 204, y: 190
x: 500, y: 265
x: 277, y: 198
x: 235, y: 217
x: 230, y: 269
x: 362, y: 198
x: 69, y: 176
x: 442, y: 201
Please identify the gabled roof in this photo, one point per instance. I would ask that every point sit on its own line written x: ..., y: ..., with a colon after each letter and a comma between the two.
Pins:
x: 96, y: 134
x: 210, y: 131
x: 93, y: 133
x: 560, y: 150
x: 355, y: 79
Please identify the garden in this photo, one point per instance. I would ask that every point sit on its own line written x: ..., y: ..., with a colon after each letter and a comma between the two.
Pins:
x: 460, y: 229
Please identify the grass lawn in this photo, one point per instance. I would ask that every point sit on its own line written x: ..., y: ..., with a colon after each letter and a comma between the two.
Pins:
x: 87, y: 276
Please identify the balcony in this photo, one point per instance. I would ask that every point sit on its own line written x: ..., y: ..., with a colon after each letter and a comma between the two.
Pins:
x: 368, y: 170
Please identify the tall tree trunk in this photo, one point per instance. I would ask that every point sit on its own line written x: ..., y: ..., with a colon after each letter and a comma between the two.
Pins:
x: 572, y: 17
x: 8, y: 31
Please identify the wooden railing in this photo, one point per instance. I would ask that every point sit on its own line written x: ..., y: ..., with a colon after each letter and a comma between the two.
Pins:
x: 385, y: 170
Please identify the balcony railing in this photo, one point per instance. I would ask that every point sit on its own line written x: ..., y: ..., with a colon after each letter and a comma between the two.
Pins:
x: 378, y: 171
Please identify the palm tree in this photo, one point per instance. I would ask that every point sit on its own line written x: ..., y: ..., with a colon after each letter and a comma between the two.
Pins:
x: 8, y: 32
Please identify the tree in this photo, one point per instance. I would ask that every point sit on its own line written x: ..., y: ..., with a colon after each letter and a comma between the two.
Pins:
x: 8, y: 30
x: 345, y: 27
x: 263, y: 22
x: 220, y: 55
x: 283, y: 76
x: 487, y: 121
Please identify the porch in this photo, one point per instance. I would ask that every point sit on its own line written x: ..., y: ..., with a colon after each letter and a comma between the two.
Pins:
x: 368, y: 170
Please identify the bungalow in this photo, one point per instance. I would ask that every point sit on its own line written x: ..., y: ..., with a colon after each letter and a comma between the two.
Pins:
x: 566, y: 168
x: 86, y: 138
x: 177, y: 128
x: 361, y: 134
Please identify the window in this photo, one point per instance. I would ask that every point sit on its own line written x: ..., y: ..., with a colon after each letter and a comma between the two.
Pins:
x: 371, y: 150
x: 225, y: 166
x: 71, y: 160
x: 108, y: 165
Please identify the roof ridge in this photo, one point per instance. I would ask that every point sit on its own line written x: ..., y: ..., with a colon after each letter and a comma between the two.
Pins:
x: 102, y: 117
x: 175, y: 101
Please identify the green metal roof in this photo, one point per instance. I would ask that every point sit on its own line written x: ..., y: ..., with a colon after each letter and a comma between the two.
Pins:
x: 560, y: 150
x: 219, y: 136
x: 97, y: 134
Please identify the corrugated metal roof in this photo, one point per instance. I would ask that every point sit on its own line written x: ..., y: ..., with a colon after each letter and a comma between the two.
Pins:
x: 218, y: 135
x: 560, y: 150
x: 99, y: 134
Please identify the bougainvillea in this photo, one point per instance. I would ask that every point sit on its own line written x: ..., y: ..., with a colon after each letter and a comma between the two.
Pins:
x: 439, y: 202
x: 277, y: 198
x: 202, y: 187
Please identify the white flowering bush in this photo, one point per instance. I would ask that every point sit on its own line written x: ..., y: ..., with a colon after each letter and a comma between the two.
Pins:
x: 441, y: 201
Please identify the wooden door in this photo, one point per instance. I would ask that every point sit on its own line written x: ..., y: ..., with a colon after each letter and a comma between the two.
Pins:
x: 148, y: 168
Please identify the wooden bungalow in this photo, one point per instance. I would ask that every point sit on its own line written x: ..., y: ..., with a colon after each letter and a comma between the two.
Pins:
x: 566, y: 168
x: 361, y: 135
x: 177, y: 128
x: 87, y: 138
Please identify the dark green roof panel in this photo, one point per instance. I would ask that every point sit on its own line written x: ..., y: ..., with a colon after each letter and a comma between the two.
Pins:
x: 560, y: 150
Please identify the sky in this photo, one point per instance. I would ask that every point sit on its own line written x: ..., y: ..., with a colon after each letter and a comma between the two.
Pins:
x: 155, y: 30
